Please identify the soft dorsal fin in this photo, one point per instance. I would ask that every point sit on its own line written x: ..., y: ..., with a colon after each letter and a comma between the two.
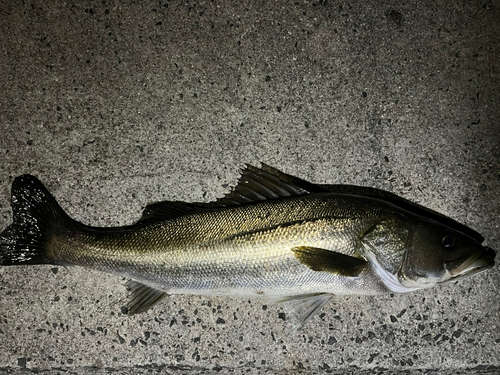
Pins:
x: 260, y: 184
x: 254, y: 185
x: 160, y: 211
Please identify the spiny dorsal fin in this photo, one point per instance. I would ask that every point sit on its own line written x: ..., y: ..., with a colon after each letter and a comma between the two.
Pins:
x: 292, y: 180
x: 329, y: 261
x: 260, y: 184
x: 143, y: 297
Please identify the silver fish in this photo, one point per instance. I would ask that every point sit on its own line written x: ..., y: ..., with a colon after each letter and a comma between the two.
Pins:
x: 273, y: 236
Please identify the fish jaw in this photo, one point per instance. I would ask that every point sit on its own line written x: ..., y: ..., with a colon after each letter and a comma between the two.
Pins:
x: 460, y: 268
x: 478, y: 262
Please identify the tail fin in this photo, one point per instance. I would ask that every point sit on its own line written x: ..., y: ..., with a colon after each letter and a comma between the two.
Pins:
x: 35, y: 216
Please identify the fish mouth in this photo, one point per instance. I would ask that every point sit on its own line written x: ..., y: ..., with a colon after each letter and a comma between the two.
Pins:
x: 477, y: 262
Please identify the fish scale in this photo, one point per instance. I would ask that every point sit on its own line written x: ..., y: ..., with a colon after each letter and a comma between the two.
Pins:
x: 242, y: 245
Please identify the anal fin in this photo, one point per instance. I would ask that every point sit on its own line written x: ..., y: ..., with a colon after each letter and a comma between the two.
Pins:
x: 143, y: 297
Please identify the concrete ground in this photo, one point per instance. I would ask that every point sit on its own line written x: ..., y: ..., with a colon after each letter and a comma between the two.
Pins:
x: 117, y: 104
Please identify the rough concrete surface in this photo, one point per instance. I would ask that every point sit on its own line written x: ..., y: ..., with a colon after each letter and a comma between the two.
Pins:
x: 114, y: 105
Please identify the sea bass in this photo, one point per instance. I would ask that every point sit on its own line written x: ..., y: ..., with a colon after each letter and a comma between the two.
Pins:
x: 273, y: 236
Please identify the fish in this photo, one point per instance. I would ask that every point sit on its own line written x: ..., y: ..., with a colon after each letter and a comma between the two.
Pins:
x: 273, y: 236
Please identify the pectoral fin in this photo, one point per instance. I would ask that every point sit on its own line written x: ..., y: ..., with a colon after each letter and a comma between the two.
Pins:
x: 143, y: 297
x: 329, y: 261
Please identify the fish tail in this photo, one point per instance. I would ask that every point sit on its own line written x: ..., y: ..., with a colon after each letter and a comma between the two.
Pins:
x: 36, y: 216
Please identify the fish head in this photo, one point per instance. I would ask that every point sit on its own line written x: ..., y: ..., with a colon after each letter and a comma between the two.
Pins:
x: 436, y: 253
x: 410, y: 252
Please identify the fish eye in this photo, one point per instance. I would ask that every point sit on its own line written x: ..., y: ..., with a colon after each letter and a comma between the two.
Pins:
x: 448, y: 241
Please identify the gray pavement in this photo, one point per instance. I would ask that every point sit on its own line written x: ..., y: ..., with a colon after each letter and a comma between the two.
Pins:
x: 114, y: 105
